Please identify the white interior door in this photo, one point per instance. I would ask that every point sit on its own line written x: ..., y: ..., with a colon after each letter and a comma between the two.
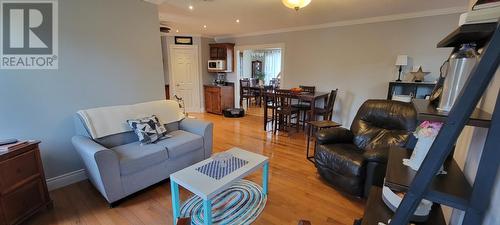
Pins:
x: 185, y: 76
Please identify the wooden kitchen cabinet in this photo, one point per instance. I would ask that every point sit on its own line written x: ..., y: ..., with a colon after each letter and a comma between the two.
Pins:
x: 23, y: 190
x: 218, y: 98
x: 223, y: 51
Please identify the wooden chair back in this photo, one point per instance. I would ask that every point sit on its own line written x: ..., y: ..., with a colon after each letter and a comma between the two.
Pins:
x: 309, y: 89
x: 244, y: 87
x: 331, y: 103
x: 284, y: 98
x: 254, y: 82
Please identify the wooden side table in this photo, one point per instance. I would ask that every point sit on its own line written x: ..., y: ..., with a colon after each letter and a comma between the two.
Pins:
x: 317, y: 125
x: 23, y: 190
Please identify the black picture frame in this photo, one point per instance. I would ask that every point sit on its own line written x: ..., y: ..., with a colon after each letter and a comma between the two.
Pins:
x: 183, y: 40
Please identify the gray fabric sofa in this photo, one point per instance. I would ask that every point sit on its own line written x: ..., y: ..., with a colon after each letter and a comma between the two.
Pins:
x: 118, y: 165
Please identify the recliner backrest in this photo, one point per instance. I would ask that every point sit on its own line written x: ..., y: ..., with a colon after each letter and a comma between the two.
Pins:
x: 383, y: 123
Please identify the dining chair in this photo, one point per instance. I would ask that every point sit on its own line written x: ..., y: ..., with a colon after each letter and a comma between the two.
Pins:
x: 327, y: 111
x: 263, y: 90
x: 245, y: 92
x: 269, y: 100
x: 285, y: 113
x: 304, y: 106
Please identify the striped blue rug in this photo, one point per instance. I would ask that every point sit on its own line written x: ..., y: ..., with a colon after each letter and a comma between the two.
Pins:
x: 240, y: 204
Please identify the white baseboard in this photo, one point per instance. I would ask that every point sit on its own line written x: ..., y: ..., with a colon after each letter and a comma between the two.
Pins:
x: 66, y: 179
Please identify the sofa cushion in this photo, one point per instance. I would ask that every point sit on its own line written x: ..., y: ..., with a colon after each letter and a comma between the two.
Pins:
x: 114, y: 140
x: 181, y: 142
x: 345, y: 159
x: 136, y: 157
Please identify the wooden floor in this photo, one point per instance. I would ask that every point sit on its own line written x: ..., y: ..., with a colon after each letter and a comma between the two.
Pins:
x: 295, y: 188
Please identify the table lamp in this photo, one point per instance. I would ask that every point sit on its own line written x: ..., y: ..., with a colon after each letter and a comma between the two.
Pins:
x: 401, y: 61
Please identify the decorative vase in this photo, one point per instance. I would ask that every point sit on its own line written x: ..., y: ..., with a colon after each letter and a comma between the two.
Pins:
x: 421, y: 149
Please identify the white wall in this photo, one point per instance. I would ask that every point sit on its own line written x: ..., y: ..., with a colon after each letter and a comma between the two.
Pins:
x: 358, y: 59
x: 109, y: 55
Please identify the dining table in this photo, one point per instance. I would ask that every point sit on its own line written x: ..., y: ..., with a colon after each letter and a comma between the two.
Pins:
x: 313, y: 98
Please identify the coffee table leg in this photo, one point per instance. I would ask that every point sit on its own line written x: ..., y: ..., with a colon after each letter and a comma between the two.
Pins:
x: 174, y: 188
x: 265, y: 176
x: 207, y: 207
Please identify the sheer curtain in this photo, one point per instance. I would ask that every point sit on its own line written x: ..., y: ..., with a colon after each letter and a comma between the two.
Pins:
x: 272, y: 64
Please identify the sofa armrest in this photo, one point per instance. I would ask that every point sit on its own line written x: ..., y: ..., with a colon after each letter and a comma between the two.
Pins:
x: 102, y: 165
x: 334, y: 135
x: 202, y: 128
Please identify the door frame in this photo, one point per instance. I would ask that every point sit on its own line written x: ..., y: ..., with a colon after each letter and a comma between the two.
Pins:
x: 197, y: 82
x: 241, y: 48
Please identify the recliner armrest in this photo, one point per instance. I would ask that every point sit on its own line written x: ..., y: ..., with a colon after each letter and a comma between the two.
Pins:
x: 334, y: 135
x: 379, y: 155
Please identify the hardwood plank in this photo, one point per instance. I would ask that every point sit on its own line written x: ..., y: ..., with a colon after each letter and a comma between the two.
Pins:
x: 295, y: 189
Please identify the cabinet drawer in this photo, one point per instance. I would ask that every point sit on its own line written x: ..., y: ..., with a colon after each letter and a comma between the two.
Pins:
x: 22, y: 201
x: 18, y: 169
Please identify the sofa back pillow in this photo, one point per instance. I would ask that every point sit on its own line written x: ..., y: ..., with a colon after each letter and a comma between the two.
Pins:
x: 148, y: 129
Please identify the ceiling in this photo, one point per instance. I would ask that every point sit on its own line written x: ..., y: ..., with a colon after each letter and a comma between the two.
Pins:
x: 220, y: 16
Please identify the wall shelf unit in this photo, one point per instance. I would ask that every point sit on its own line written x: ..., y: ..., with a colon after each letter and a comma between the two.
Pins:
x: 444, y: 187
x: 379, y: 212
x: 426, y: 111
x: 451, y: 189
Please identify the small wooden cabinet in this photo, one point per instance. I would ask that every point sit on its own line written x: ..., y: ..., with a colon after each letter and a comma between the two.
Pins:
x: 23, y: 190
x: 218, y: 98
x: 223, y: 51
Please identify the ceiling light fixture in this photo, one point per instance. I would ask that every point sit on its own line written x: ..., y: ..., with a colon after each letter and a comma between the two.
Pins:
x: 191, y: 7
x: 204, y: 26
x: 177, y: 31
x: 296, y: 4
x: 237, y: 20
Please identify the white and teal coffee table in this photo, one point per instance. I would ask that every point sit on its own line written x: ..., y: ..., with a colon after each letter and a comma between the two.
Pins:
x: 206, y: 187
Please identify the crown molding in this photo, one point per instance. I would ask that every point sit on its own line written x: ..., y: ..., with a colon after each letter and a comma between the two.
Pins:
x: 190, y: 35
x: 156, y: 2
x: 378, y: 19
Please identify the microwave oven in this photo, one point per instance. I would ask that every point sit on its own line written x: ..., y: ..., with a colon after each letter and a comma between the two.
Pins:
x: 217, y: 65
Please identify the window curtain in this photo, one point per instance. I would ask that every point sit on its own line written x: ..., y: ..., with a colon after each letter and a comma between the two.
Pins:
x: 272, y: 64
x: 271, y: 60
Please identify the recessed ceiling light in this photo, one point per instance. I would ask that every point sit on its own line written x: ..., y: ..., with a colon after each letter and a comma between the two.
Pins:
x: 237, y: 20
x: 205, y: 26
x: 177, y: 31
x: 191, y: 7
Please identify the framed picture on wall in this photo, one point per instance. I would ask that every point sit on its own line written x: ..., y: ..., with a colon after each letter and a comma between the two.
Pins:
x: 183, y: 40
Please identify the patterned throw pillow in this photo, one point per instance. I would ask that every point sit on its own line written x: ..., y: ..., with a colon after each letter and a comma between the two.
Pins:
x: 148, y: 129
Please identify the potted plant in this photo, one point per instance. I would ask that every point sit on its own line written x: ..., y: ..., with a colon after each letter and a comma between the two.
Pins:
x: 261, y: 76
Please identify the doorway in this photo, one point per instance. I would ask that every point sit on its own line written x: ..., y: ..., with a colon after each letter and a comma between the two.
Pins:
x: 264, y: 62
x: 185, y: 76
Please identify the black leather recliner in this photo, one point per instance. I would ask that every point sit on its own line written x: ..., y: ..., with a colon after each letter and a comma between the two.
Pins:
x: 354, y: 160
